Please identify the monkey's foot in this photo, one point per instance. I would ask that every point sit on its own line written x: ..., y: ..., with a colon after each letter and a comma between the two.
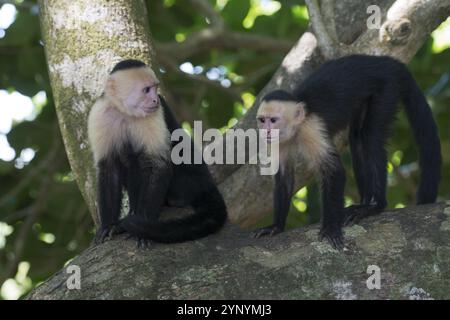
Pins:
x: 105, y: 233
x: 266, y: 231
x: 355, y: 213
x: 334, y: 237
x: 141, y: 243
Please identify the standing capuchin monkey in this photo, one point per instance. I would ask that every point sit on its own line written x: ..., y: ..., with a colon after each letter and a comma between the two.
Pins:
x: 129, y: 131
x: 360, y: 93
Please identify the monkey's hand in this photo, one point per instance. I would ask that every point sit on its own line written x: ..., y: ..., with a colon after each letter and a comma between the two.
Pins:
x: 107, y: 232
x: 334, y: 236
x: 266, y: 231
x: 355, y: 213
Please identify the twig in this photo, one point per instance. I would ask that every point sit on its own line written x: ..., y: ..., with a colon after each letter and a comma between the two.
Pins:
x: 45, y: 163
x: 25, y: 228
x: 173, y: 67
x: 209, y: 12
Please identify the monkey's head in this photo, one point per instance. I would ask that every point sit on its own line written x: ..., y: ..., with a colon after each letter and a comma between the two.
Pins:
x: 280, y: 110
x: 133, y: 87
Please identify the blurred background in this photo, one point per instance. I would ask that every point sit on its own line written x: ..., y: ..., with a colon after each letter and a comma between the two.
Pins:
x: 43, y: 219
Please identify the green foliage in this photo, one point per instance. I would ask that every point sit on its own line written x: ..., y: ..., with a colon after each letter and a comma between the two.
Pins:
x: 42, y: 200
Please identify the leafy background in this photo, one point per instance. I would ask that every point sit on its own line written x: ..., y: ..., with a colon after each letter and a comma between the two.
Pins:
x: 43, y: 219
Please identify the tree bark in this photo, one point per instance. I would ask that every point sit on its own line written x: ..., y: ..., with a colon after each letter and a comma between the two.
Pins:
x: 410, y: 246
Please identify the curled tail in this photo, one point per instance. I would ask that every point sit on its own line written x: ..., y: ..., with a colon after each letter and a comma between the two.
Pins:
x: 209, y: 216
x: 426, y: 135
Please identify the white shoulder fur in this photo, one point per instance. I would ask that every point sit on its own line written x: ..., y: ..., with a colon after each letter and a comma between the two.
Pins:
x: 108, y: 129
x: 314, y: 143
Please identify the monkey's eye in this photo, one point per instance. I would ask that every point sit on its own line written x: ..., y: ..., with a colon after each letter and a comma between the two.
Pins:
x: 262, y: 120
x: 273, y: 120
x: 146, y: 89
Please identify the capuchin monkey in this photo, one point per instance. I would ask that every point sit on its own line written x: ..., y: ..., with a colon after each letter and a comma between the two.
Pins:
x: 130, y: 130
x: 360, y: 93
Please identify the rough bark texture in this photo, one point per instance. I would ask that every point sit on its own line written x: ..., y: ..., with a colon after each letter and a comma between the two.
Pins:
x: 83, y: 40
x: 410, y: 246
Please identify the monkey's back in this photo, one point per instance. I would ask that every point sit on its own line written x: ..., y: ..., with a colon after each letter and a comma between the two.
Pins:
x: 340, y: 87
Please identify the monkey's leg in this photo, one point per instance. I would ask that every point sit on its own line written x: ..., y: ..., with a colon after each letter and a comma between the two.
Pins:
x: 109, y: 196
x: 132, y: 178
x: 373, y: 140
x: 284, y: 186
x: 362, y: 177
x: 155, y: 180
x: 333, y: 184
x: 357, y: 152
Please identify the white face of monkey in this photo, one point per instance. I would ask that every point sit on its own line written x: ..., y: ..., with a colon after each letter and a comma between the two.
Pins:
x: 135, y: 91
x: 286, y: 116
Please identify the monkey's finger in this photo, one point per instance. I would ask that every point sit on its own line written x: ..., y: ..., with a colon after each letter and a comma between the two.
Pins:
x: 262, y: 232
x: 335, y: 241
x: 116, y: 230
x: 143, y: 243
x: 101, y: 236
x: 274, y: 232
x: 350, y: 219
x: 338, y: 243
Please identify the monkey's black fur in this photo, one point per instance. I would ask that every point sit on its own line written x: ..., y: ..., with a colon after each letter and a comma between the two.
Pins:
x: 362, y: 93
x: 153, y: 184
x: 127, y: 64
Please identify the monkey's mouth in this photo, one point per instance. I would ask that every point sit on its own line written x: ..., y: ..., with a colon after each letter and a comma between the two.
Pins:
x: 151, y: 109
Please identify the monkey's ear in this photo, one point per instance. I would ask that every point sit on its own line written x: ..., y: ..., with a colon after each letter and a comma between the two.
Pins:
x: 300, y: 112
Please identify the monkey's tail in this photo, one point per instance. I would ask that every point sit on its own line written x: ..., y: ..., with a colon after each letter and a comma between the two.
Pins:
x: 426, y: 135
x: 209, y: 216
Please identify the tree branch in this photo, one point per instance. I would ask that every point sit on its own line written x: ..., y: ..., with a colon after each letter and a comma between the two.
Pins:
x: 407, y: 25
x: 329, y: 47
x: 171, y: 66
x: 293, y: 265
x: 213, y: 38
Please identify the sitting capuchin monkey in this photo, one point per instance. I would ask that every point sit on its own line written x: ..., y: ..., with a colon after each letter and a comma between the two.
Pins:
x: 360, y: 93
x: 130, y: 130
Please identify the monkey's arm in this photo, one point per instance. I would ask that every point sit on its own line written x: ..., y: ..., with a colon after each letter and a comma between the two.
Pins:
x: 284, y: 186
x: 109, y: 195
x: 333, y: 183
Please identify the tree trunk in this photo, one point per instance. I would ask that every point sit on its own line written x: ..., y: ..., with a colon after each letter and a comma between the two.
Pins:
x: 410, y: 246
x: 83, y: 40
x: 229, y: 265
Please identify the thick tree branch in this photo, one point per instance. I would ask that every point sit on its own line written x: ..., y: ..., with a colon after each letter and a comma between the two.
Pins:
x: 407, y: 25
x: 329, y: 46
x: 410, y: 246
x: 214, y: 38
